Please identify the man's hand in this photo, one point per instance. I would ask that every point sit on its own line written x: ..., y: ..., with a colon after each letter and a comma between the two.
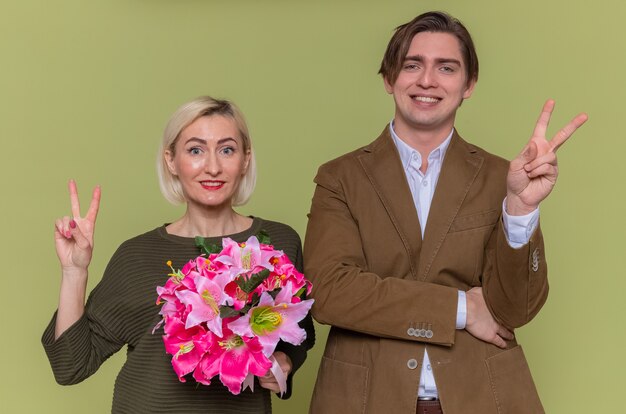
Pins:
x: 268, y: 381
x: 480, y: 323
x: 533, y: 173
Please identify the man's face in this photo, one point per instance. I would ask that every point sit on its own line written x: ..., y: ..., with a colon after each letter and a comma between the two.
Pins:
x: 431, y: 85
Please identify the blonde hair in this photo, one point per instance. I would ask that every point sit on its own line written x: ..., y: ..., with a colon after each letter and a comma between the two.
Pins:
x: 185, y: 115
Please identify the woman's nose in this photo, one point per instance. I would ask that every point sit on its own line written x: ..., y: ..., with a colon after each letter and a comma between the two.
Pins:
x: 212, y: 165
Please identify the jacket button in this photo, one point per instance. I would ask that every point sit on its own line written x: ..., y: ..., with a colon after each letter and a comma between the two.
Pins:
x: 411, y: 363
x: 429, y: 334
x: 410, y: 331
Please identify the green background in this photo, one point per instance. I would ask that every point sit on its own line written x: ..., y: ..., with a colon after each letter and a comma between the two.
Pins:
x: 87, y: 86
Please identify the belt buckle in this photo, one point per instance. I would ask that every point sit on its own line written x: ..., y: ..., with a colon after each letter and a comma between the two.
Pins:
x: 427, y: 398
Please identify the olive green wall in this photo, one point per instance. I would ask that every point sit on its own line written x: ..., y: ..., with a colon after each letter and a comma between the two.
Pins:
x: 87, y: 86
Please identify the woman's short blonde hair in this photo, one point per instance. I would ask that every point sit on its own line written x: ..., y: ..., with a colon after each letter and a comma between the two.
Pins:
x: 181, y: 119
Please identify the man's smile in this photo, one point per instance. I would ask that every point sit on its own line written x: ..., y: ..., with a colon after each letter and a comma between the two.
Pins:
x: 425, y: 99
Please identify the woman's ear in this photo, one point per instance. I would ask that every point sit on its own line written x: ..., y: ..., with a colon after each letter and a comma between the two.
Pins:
x: 246, y: 162
x: 168, y: 156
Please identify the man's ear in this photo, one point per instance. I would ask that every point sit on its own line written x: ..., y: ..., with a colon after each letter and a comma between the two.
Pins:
x: 168, y: 156
x: 469, y: 89
x: 388, y: 85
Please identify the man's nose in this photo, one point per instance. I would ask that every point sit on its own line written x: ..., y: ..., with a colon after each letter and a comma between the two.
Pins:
x: 427, y: 78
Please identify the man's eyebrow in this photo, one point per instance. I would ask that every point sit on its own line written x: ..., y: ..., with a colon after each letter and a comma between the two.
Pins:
x: 415, y: 58
x: 420, y: 58
x: 448, y: 60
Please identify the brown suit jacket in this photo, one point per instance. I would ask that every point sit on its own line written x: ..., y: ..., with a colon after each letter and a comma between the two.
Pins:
x: 389, y: 295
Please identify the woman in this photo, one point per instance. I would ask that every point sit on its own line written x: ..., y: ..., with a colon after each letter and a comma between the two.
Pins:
x: 206, y: 161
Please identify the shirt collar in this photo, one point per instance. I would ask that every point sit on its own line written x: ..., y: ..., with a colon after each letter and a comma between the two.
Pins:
x: 406, y: 152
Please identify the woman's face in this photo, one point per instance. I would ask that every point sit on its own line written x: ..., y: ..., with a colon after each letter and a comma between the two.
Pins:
x: 209, y: 161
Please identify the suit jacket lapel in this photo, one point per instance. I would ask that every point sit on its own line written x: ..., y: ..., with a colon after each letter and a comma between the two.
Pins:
x: 383, y: 167
x: 459, y: 170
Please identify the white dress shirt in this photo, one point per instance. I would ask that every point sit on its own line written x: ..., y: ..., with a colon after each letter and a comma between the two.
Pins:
x: 518, y: 229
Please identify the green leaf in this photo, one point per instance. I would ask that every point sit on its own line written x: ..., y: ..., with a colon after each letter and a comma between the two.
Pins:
x: 228, y: 312
x: 256, y: 279
x: 263, y: 237
x: 241, y: 282
x: 248, y: 284
x: 206, y: 247
x: 255, y: 299
x: 300, y: 293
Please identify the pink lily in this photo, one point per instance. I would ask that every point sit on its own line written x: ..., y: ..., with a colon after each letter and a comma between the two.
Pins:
x: 238, y: 296
x: 173, y: 309
x: 281, y: 276
x: 173, y: 283
x: 205, y: 302
x: 246, y: 257
x: 233, y: 357
x: 209, y: 266
x: 187, y: 347
x: 274, y: 319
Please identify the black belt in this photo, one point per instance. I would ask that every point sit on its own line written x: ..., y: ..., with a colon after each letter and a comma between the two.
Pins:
x: 431, y: 406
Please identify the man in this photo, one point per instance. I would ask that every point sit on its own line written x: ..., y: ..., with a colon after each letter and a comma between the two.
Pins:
x: 425, y: 250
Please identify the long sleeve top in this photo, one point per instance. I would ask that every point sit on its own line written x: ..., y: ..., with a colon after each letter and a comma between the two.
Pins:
x: 122, y: 310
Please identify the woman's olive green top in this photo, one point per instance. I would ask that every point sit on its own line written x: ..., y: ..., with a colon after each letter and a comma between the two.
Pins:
x: 122, y: 310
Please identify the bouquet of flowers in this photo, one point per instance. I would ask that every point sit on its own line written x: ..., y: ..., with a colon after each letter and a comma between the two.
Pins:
x: 225, y: 311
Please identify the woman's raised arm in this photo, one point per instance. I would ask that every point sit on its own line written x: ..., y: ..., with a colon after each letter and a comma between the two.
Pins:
x: 73, y: 237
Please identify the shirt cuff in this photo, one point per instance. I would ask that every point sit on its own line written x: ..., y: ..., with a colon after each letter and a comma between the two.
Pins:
x: 519, y: 229
x: 461, y: 311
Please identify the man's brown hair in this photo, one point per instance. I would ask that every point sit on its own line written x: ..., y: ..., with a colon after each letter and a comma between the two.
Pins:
x: 437, y: 22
